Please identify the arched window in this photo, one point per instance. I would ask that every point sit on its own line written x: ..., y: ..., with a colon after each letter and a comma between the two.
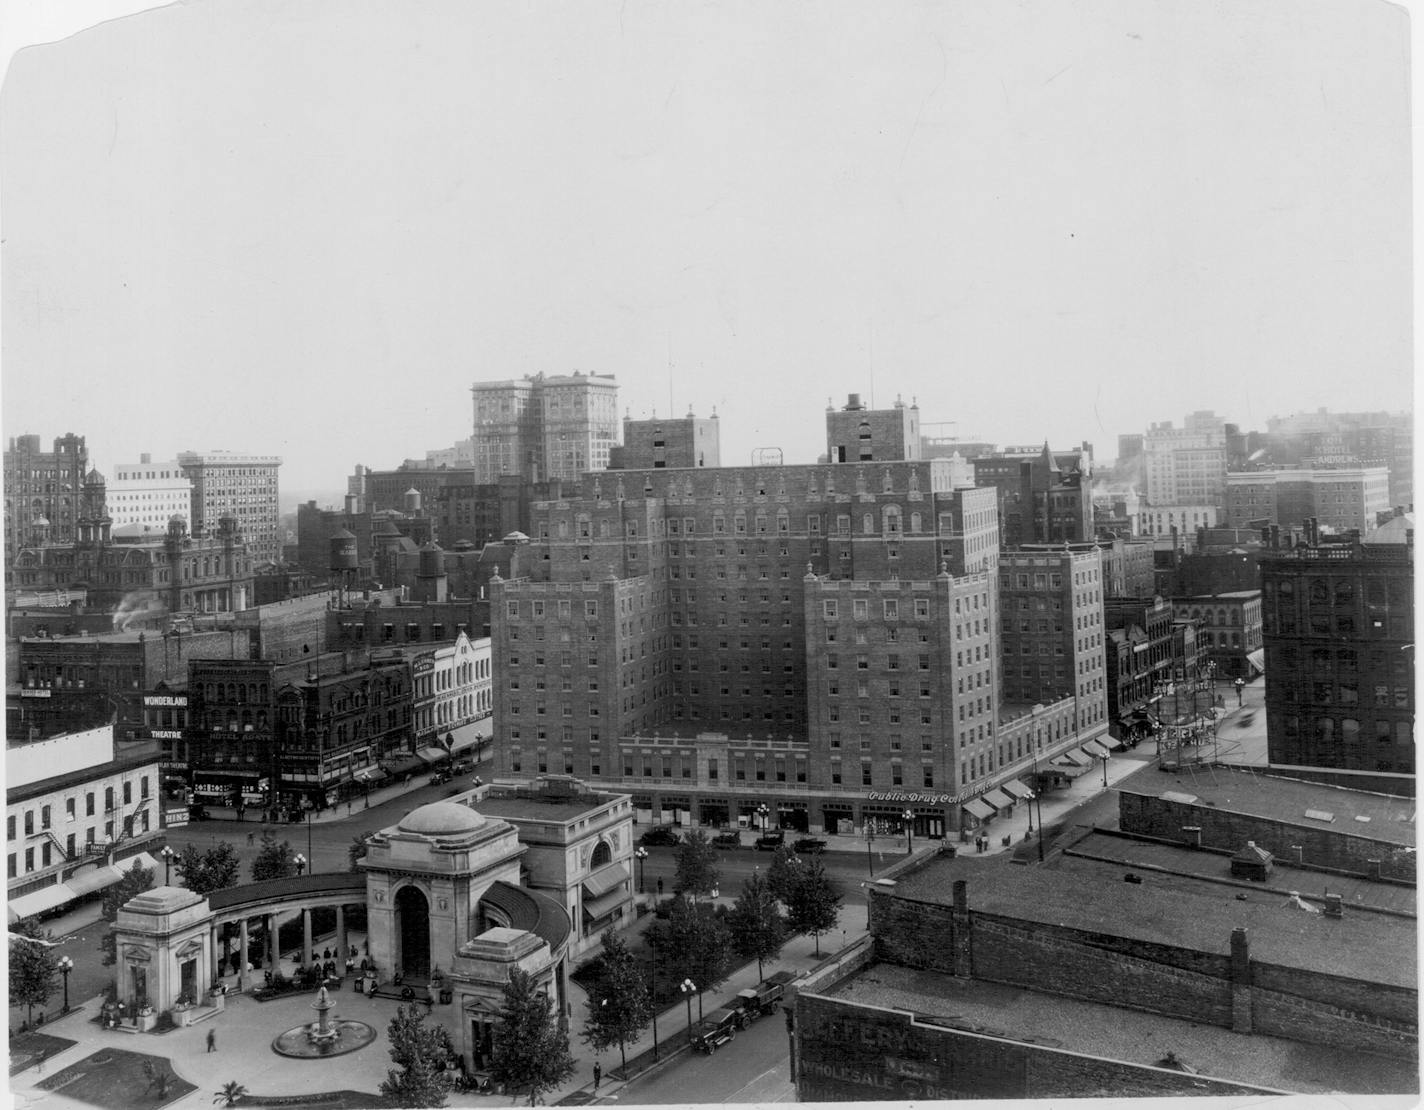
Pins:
x: 891, y: 520
x: 602, y: 855
x: 867, y: 524
x: 914, y: 522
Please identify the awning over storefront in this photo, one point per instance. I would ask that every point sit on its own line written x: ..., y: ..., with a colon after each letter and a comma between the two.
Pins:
x: 368, y: 774
x: 431, y: 756
x: 1110, y: 743
x: 1016, y: 789
x: 403, y: 764
x: 92, y: 879
x: 998, y: 799
x: 38, y: 901
x: 1068, y: 770
x: 1257, y: 659
x: 594, y: 908
x: 1076, y: 758
x: 605, y: 879
x: 978, y: 809
x: 1094, y: 749
x: 470, y: 735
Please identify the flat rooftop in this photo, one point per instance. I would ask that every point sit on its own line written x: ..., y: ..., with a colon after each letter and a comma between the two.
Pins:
x: 1177, y: 910
x: 1353, y: 812
x: 1145, y: 856
x: 1117, y: 1033
x: 534, y: 808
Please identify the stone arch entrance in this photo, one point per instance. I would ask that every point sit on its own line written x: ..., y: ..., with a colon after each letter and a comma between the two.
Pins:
x: 602, y: 854
x: 412, y: 933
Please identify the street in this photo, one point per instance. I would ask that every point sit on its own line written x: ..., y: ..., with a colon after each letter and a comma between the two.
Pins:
x: 753, y: 1067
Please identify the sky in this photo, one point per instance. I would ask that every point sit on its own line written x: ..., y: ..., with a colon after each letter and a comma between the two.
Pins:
x: 305, y: 229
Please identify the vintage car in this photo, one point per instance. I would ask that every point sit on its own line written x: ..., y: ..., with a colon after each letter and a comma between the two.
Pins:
x: 719, y: 1027
x: 660, y: 835
x: 770, y: 841
x: 809, y: 844
x: 731, y: 838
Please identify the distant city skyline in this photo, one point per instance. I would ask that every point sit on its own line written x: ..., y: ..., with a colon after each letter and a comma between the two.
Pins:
x: 306, y: 231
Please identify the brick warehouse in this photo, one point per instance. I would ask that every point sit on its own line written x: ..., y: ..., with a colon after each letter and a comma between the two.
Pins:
x: 663, y: 631
x: 996, y: 980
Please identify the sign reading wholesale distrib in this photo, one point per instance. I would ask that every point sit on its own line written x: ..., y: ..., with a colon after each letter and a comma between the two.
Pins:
x: 165, y: 701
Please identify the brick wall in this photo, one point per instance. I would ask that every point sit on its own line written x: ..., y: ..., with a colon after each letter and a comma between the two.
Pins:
x: 849, y: 1052
x: 1330, y: 848
x: 1313, y: 1007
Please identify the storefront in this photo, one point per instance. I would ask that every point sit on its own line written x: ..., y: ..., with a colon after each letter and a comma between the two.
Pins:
x: 837, y: 817
x: 713, y: 812
x: 215, y: 787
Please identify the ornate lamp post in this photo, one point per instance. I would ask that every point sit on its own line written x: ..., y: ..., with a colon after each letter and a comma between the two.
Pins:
x: 869, y: 838
x: 763, y: 812
x: 909, y: 818
x: 301, y: 862
x: 167, y: 856
x: 66, y: 965
x: 689, y: 988
x: 640, y: 854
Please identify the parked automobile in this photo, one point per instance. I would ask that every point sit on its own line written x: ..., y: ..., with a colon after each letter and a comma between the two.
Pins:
x: 765, y: 998
x: 809, y: 844
x: 729, y: 839
x: 720, y: 1026
x: 771, y: 841
x: 440, y: 778
x: 463, y: 767
x: 197, y: 812
x: 660, y: 835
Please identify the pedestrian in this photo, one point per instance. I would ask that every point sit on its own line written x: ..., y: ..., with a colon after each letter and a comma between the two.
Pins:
x: 212, y: 1040
x: 250, y: 838
x: 326, y: 953
x: 597, y: 1074
x: 660, y: 888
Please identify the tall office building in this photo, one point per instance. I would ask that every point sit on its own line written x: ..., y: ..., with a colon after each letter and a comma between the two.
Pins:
x: 42, y: 490
x: 227, y: 483
x: 1186, y: 466
x: 1343, y: 499
x: 148, y: 494
x: 560, y: 426
x: 1339, y: 638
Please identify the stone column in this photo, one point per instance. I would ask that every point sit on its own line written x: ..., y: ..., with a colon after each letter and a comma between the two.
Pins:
x: 214, y: 959
x: 341, y: 945
x: 242, y: 957
x: 274, y: 951
x: 306, y: 936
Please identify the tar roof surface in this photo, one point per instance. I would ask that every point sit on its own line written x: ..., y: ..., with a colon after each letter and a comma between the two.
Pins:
x: 1390, y: 819
x: 1214, y: 866
x: 1121, y: 1034
x: 535, y: 809
x: 1173, y: 910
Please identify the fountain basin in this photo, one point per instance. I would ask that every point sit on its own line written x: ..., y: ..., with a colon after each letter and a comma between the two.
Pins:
x: 308, y: 1042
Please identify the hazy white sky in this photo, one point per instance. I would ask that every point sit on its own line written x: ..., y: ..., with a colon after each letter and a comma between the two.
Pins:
x: 306, y: 228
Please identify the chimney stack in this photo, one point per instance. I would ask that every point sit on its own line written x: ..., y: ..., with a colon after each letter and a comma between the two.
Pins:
x: 1334, y: 906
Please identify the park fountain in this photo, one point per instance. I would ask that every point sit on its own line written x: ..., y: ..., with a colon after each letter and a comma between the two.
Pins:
x: 327, y: 1036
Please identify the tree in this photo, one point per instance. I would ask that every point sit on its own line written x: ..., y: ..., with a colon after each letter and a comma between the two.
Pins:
x: 758, y: 930
x: 204, y: 872
x: 696, y: 864
x: 784, y: 873
x: 356, y: 851
x: 274, y: 860
x: 420, y: 1051
x: 815, y: 903
x: 230, y: 1093
x: 135, y: 881
x: 620, y: 1008
x: 33, y: 967
x: 530, y: 1052
x: 695, y: 942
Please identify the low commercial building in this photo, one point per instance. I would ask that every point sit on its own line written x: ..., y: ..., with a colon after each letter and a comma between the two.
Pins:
x: 991, y: 980
x: 1231, y: 630
x: 75, y: 814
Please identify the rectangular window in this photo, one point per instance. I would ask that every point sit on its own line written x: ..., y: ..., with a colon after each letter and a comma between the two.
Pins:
x: 892, y: 609
x: 10, y: 827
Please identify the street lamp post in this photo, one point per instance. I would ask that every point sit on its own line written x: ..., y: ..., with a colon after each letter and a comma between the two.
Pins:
x: 1240, y: 685
x: 301, y: 862
x: 688, y: 987
x: 167, y: 856
x: 640, y: 854
x: 652, y: 994
x: 1105, y: 768
x: 66, y: 965
x: 909, y: 818
x: 869, y: 837
x: 763, y: 812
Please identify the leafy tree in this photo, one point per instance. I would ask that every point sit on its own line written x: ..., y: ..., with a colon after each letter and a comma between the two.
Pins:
x: 420, y: 1051
x: 356, y: 851
x: 135, y: 881
x: 620, y: 1008
x: 815, y: 903
x: 531, y: 1053
x: 757, y: 927
x: 695, y: 943
x: 696, y: 864
x: 274, y: 860
x: 784, y: 873
x: 33, y: 967
x: 230, y: 1093
x: 204, y: 872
